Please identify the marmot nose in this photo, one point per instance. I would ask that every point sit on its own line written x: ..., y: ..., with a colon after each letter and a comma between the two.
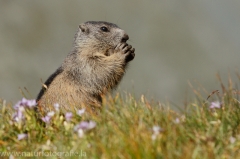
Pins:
x: 125, y: 38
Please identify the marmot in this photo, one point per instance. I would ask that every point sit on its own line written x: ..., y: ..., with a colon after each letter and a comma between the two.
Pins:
x: 95, y: 66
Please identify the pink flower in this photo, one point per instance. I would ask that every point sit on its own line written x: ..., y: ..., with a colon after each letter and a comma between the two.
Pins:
x: 80, y: 133
x: 56, y: 106
x: 18, y: 116
x: 84, y: 125
x: 156, y: 129
x: 68, y: 116
x: 25, y: 103
x: 215, y: 105
x: 22, y: 136
x: 80, y: 112
x: 20, y: 106
x: 46, y: 119
x: 232, y: 139
x: 51, y: 113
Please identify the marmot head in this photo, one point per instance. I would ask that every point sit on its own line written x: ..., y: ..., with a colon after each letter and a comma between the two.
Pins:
x: 99, y: 36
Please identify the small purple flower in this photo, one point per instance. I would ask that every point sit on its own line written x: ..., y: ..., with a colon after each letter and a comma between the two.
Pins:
x: 232, y: 139
x: 84, y: 125
x: 51, y: 113
x: 18, y: 116
x: 17, y: 105
x: 215, y: 105
x: 80, y: 133
x: 20, y: 106
x: 46, y: 119
x: 22, y: 136
x: 31, y: 103
x: 80, y: 112
x: 68, y: 116
x: 56, y: 106
x: 25, y: 103
x: 177, y: 121
x: 156, y: 129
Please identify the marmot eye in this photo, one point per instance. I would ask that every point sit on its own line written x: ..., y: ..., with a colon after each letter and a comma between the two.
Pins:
x: 105, y: 29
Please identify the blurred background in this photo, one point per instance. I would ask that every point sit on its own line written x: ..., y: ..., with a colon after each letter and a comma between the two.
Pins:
x: 176, y: 42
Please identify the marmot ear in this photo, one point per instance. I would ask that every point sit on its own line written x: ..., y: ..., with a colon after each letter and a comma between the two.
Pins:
x: 83, y: 28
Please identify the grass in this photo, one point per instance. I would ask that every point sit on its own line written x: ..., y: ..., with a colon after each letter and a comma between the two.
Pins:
x: 130, y: 128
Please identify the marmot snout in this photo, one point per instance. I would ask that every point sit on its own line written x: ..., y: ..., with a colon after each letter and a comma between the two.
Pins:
x: 94, y: 67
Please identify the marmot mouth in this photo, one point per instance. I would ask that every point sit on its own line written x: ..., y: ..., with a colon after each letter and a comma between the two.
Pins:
x: 125, y: 38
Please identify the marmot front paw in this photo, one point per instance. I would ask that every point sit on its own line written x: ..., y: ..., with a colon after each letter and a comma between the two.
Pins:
x: 126, y: 50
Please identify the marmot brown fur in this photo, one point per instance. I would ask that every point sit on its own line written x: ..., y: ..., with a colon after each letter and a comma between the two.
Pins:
x: 94, y: 67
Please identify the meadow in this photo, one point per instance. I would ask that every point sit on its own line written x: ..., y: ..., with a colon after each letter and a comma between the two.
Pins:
x: 207, y: 127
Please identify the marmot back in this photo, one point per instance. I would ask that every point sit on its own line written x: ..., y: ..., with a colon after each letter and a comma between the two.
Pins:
x: 95, y: 66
